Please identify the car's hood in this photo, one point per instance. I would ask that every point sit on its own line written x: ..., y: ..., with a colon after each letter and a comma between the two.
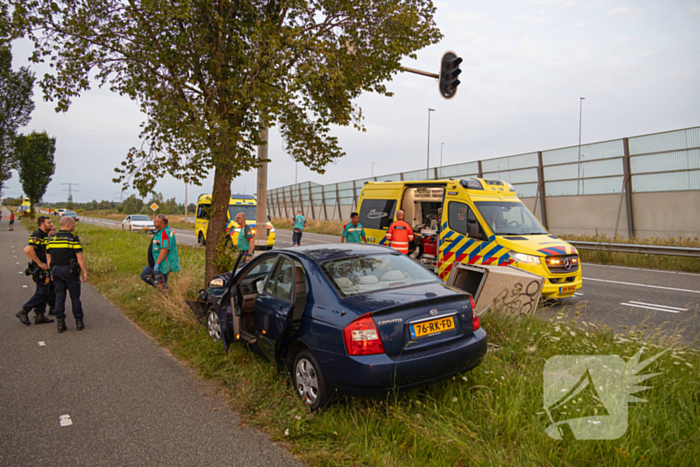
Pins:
x: 375, y: 301
x: 538, y: 245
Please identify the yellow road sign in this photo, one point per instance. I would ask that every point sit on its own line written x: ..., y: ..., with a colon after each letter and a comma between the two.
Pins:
x: 154, y: 206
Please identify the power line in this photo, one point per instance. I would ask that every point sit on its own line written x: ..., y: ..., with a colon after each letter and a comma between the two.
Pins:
x: 70, y: 189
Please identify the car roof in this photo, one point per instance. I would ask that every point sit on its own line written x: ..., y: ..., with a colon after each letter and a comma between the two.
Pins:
x: 334, y: 251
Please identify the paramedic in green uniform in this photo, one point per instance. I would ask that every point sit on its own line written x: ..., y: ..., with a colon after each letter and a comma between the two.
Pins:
x: 353, y: 232
x: 245, y: 235
x: 164, y: 254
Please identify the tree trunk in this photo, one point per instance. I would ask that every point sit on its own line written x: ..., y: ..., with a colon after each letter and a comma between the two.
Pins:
x: 218, y: 219
x: 31, y: 208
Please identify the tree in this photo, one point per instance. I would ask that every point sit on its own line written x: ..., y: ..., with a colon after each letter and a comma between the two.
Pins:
x: 210, y: 74
x: 16, y: 104
x: 34, y: 155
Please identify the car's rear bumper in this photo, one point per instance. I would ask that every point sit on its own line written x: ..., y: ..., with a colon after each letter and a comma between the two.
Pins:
x: 378, y: 374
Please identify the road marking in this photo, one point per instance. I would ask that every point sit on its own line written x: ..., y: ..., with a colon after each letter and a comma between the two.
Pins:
x: 634, y: 305
x: 64, y: 420
x: 660, y: 306
x: 24, y: 286
x: 578, y: 295
x: 642, y: 285
x: 642, y: 269
x: 42, y: 343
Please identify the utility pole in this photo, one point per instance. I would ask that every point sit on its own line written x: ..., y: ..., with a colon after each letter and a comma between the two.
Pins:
x: 580, y: 118
x: 427, y: 170
x: 261, y: 211
x: 441, y: 146
x: 372, y: 169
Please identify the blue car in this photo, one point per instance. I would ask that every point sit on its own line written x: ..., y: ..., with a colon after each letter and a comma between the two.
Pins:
x: 352, y: 319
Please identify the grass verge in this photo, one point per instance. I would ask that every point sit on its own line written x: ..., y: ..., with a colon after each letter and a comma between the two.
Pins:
x: 490, y: 416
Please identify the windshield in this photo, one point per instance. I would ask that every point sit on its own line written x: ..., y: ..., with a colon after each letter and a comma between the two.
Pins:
x: 140, y: 218
x: 508, y: 218
x: 373, y: 273
x: 70, y: 213
x: 247, y: 209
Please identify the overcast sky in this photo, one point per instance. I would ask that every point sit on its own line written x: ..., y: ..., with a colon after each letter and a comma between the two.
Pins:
x: 526, y: 63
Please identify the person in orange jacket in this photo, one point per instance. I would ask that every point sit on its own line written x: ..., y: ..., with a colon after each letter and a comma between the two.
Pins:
x: 400, y: 234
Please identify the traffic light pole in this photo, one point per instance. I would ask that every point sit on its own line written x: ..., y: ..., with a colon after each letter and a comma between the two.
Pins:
x: 420, y: 72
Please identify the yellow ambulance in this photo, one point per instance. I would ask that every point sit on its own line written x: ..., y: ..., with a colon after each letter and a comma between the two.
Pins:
x: 471, y: 221
x: 246, y: 204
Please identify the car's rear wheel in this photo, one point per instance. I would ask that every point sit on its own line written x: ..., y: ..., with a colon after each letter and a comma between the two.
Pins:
x: 308, y: 381
x: 201, y: 240
x: 213, y: 325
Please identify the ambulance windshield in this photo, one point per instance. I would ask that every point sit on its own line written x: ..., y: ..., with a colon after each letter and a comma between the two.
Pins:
x: 509, y: 218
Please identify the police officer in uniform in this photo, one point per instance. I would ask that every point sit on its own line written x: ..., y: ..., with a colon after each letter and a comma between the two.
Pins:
x: 65, y: 257
x: 36, y: 252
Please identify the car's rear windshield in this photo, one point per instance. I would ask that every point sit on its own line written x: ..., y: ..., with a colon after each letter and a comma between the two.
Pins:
x: 140, y: 218
x: 372, y: 273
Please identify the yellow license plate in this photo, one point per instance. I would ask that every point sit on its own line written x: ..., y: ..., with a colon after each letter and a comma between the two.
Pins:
x: 146, y: 228
x: 567, y: 289
x: 432, y: 327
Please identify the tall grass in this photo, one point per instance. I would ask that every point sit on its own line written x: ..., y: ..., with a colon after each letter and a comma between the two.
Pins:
x: 490, y: 416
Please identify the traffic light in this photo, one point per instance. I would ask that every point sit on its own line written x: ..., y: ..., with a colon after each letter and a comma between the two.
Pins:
x: 449, y: 71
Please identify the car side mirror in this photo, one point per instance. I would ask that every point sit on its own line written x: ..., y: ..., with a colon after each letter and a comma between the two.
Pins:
x: 473, y: 230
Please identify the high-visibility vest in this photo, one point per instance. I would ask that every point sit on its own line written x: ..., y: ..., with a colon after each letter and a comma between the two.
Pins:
x: 399, y: 236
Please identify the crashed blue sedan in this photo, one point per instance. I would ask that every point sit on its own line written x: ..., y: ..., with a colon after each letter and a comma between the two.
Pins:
x: 350, y: 319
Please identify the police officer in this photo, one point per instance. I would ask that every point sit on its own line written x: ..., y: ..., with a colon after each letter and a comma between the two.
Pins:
x: 65, y: 257
x: 400, y: 234
x: 36, y: 252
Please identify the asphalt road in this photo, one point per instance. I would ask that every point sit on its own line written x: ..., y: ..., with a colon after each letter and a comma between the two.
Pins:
x: 129, y: 402
x: 664, y: 301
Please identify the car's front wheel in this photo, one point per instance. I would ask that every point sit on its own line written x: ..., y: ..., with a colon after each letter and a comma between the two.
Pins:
x: 308, y: 381
x: 213, y: 325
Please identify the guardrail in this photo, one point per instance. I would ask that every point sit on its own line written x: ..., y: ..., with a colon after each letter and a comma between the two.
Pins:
x: 642, y: 249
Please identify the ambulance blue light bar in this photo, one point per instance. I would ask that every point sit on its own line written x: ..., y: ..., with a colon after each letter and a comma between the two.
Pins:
x: 471, y: 184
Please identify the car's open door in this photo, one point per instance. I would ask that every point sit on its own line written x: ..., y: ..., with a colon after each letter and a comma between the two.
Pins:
x: 274, y: 305
x: 230, y: 309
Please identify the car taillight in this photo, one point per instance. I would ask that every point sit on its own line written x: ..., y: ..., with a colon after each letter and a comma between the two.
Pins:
x: 475, y: 318
x: 362, y: 338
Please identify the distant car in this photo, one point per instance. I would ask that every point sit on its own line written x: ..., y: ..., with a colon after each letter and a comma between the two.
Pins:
x: 138, y: 222
x: 72, y: 214
x: 351, y: 319
x: 60, y: 211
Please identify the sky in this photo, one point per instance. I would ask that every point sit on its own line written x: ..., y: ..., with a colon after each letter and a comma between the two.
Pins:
x: 526, y: 64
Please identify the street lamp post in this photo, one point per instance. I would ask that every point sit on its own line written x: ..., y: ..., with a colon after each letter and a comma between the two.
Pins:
x: 441, y: 146
x: 427, y: 170
x: 580, y: 119
x: 372, y: 169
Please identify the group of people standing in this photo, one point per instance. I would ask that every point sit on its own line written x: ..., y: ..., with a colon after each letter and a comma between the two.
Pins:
x: 57, y: 267
x: 399, y: 236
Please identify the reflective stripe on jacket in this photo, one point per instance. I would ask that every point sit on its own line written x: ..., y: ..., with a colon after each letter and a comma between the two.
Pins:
x: 399, y: 236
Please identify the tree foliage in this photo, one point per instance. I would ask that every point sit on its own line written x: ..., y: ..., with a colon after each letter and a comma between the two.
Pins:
x: 34, y: 155
x: 210, y: 73
x: 16, y: 104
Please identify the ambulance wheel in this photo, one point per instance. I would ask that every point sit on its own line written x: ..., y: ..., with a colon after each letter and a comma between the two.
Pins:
x: 201, y: 240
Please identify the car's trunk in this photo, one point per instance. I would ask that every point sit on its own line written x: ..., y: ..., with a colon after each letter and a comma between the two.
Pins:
x: 419, y: 318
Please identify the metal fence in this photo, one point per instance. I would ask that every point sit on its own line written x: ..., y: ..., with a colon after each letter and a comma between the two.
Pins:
x: 659, y: 162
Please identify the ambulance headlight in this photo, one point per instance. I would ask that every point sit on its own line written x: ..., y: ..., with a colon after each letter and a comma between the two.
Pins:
x: 522, y: 258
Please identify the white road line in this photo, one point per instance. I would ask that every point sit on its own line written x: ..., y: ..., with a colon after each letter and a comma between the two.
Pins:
x: 660, y: 306
x: 642, y: 269
x: 578, y: 295
x: 649, y: 308
x: 641, y: 285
